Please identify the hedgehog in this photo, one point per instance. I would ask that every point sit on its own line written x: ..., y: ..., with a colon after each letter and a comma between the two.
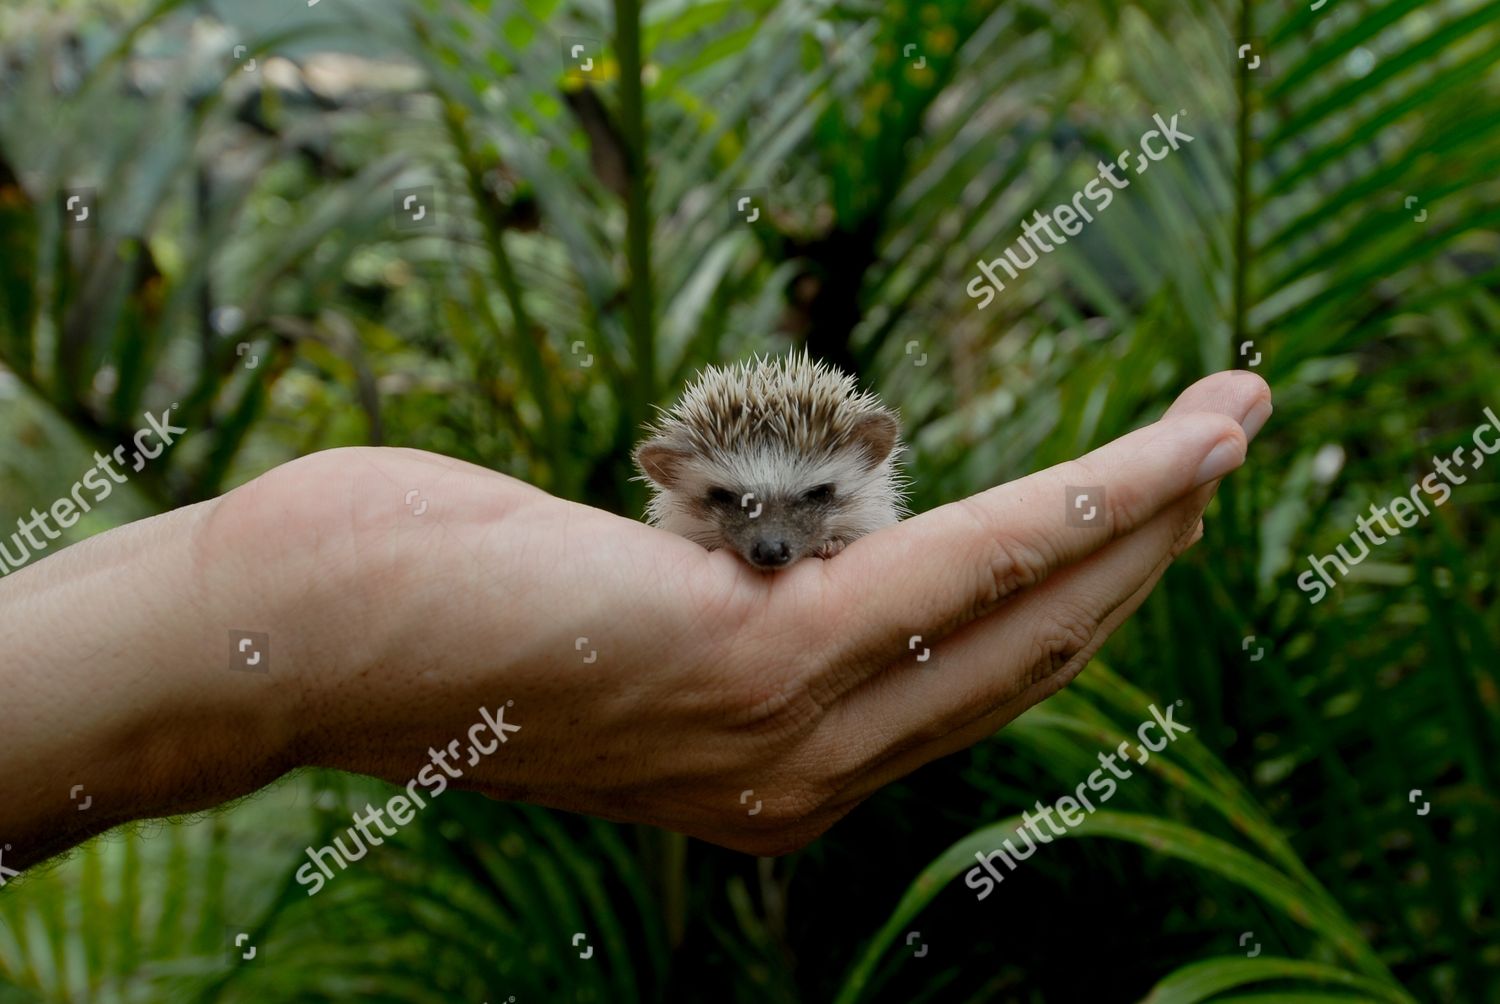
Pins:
x: 775, y: 459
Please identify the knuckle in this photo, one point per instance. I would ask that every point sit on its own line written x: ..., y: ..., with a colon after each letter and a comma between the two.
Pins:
x: 1126, y: 508
x: 1015, y: 565
x: 1189, y: 532
x: 1012, y: 564
x: 1061, y: 640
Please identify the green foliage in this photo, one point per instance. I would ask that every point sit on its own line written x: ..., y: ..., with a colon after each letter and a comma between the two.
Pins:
x: 249, y: 216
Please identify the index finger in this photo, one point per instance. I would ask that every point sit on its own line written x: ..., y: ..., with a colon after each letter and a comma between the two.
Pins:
x: 932, y: 574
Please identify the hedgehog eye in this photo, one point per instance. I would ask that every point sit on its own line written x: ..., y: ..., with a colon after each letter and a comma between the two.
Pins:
x: 822, y: 493
x: 723, y: 496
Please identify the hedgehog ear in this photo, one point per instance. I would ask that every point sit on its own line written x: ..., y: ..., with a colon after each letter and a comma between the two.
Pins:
x: 875, y: 435
x: 661, y: 463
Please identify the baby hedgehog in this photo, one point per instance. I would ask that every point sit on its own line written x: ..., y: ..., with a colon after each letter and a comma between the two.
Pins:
x: 774, y: 459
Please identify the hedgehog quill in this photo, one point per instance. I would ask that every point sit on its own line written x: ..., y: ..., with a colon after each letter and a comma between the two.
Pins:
x: 775, y: 459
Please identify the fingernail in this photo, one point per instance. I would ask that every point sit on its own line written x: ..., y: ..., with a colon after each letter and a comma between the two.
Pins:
x: 1256, y: 419
x: 1220, y: 461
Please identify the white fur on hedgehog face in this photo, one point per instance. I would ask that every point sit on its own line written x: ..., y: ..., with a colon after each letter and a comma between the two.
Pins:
x: 770, y: 496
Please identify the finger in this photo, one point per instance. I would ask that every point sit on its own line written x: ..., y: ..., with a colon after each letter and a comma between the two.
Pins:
x: 900, y: 762
x: 1066, y: 611
x: 989, y: 663
x: 925, y: 742
x: 938, y: 571
x: 1240, y: 394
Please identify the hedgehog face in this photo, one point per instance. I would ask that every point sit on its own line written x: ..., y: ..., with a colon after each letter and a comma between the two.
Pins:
x: 774, y: 459
x: 770, y: 504
x: 770, y: 510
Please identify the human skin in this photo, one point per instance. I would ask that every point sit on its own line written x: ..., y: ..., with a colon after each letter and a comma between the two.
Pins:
x: 389, y: 630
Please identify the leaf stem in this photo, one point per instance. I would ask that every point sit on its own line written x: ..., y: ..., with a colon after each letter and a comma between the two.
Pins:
x: 1242, y: 191
x: 637, y: 209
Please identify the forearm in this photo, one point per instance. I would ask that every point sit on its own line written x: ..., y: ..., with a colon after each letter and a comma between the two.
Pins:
x: 117, y: 700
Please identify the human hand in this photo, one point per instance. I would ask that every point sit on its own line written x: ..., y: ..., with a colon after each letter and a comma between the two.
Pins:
x: 656, y: 682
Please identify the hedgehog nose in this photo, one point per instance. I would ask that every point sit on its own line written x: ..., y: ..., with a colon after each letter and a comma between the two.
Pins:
x: 770, y: 553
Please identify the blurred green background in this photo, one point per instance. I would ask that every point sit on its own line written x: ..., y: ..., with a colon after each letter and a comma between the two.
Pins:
x: 582, y: 258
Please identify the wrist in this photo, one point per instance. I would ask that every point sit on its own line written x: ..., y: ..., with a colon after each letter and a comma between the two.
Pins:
x: 294, y: 557
x: 375, y: 603
x: 220, y: 718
